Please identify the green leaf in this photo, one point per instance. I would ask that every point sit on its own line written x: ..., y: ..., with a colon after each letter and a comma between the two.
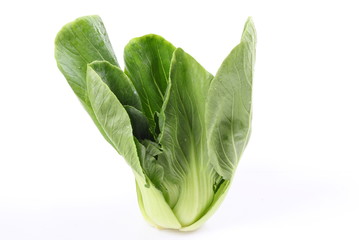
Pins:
x: 113, y: 119
x: 183, y: 127
x: 148, y: 60
x: 77, y: 44
x: 229, y: 106
x: 118, y: 82
x: 183, y: 140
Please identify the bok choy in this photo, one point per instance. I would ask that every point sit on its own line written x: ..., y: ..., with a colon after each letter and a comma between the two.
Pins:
x: 181, y: 129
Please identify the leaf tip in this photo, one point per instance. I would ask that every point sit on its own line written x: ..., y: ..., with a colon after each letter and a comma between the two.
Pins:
x: 249, y: 31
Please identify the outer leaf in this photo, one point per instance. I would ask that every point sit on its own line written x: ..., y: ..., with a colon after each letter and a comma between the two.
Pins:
x: 183, y: 127
x: 229, y: 106
x: 148, y: 60
x: 183, y: 140
x: 78, y: 43
x: 113, y: 119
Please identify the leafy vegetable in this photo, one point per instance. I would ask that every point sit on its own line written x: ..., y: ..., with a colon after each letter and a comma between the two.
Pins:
x: 180, y: 129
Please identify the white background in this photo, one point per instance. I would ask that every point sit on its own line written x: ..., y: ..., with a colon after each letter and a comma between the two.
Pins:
x: 298, y: 178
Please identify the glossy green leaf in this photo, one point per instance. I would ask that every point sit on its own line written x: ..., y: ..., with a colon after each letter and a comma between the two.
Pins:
x: 183, y: 127
x: 148, y: 60
x: 229, y: 106
x: 184, y: 139
x: 113, y: 119
x: 77, y: 44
